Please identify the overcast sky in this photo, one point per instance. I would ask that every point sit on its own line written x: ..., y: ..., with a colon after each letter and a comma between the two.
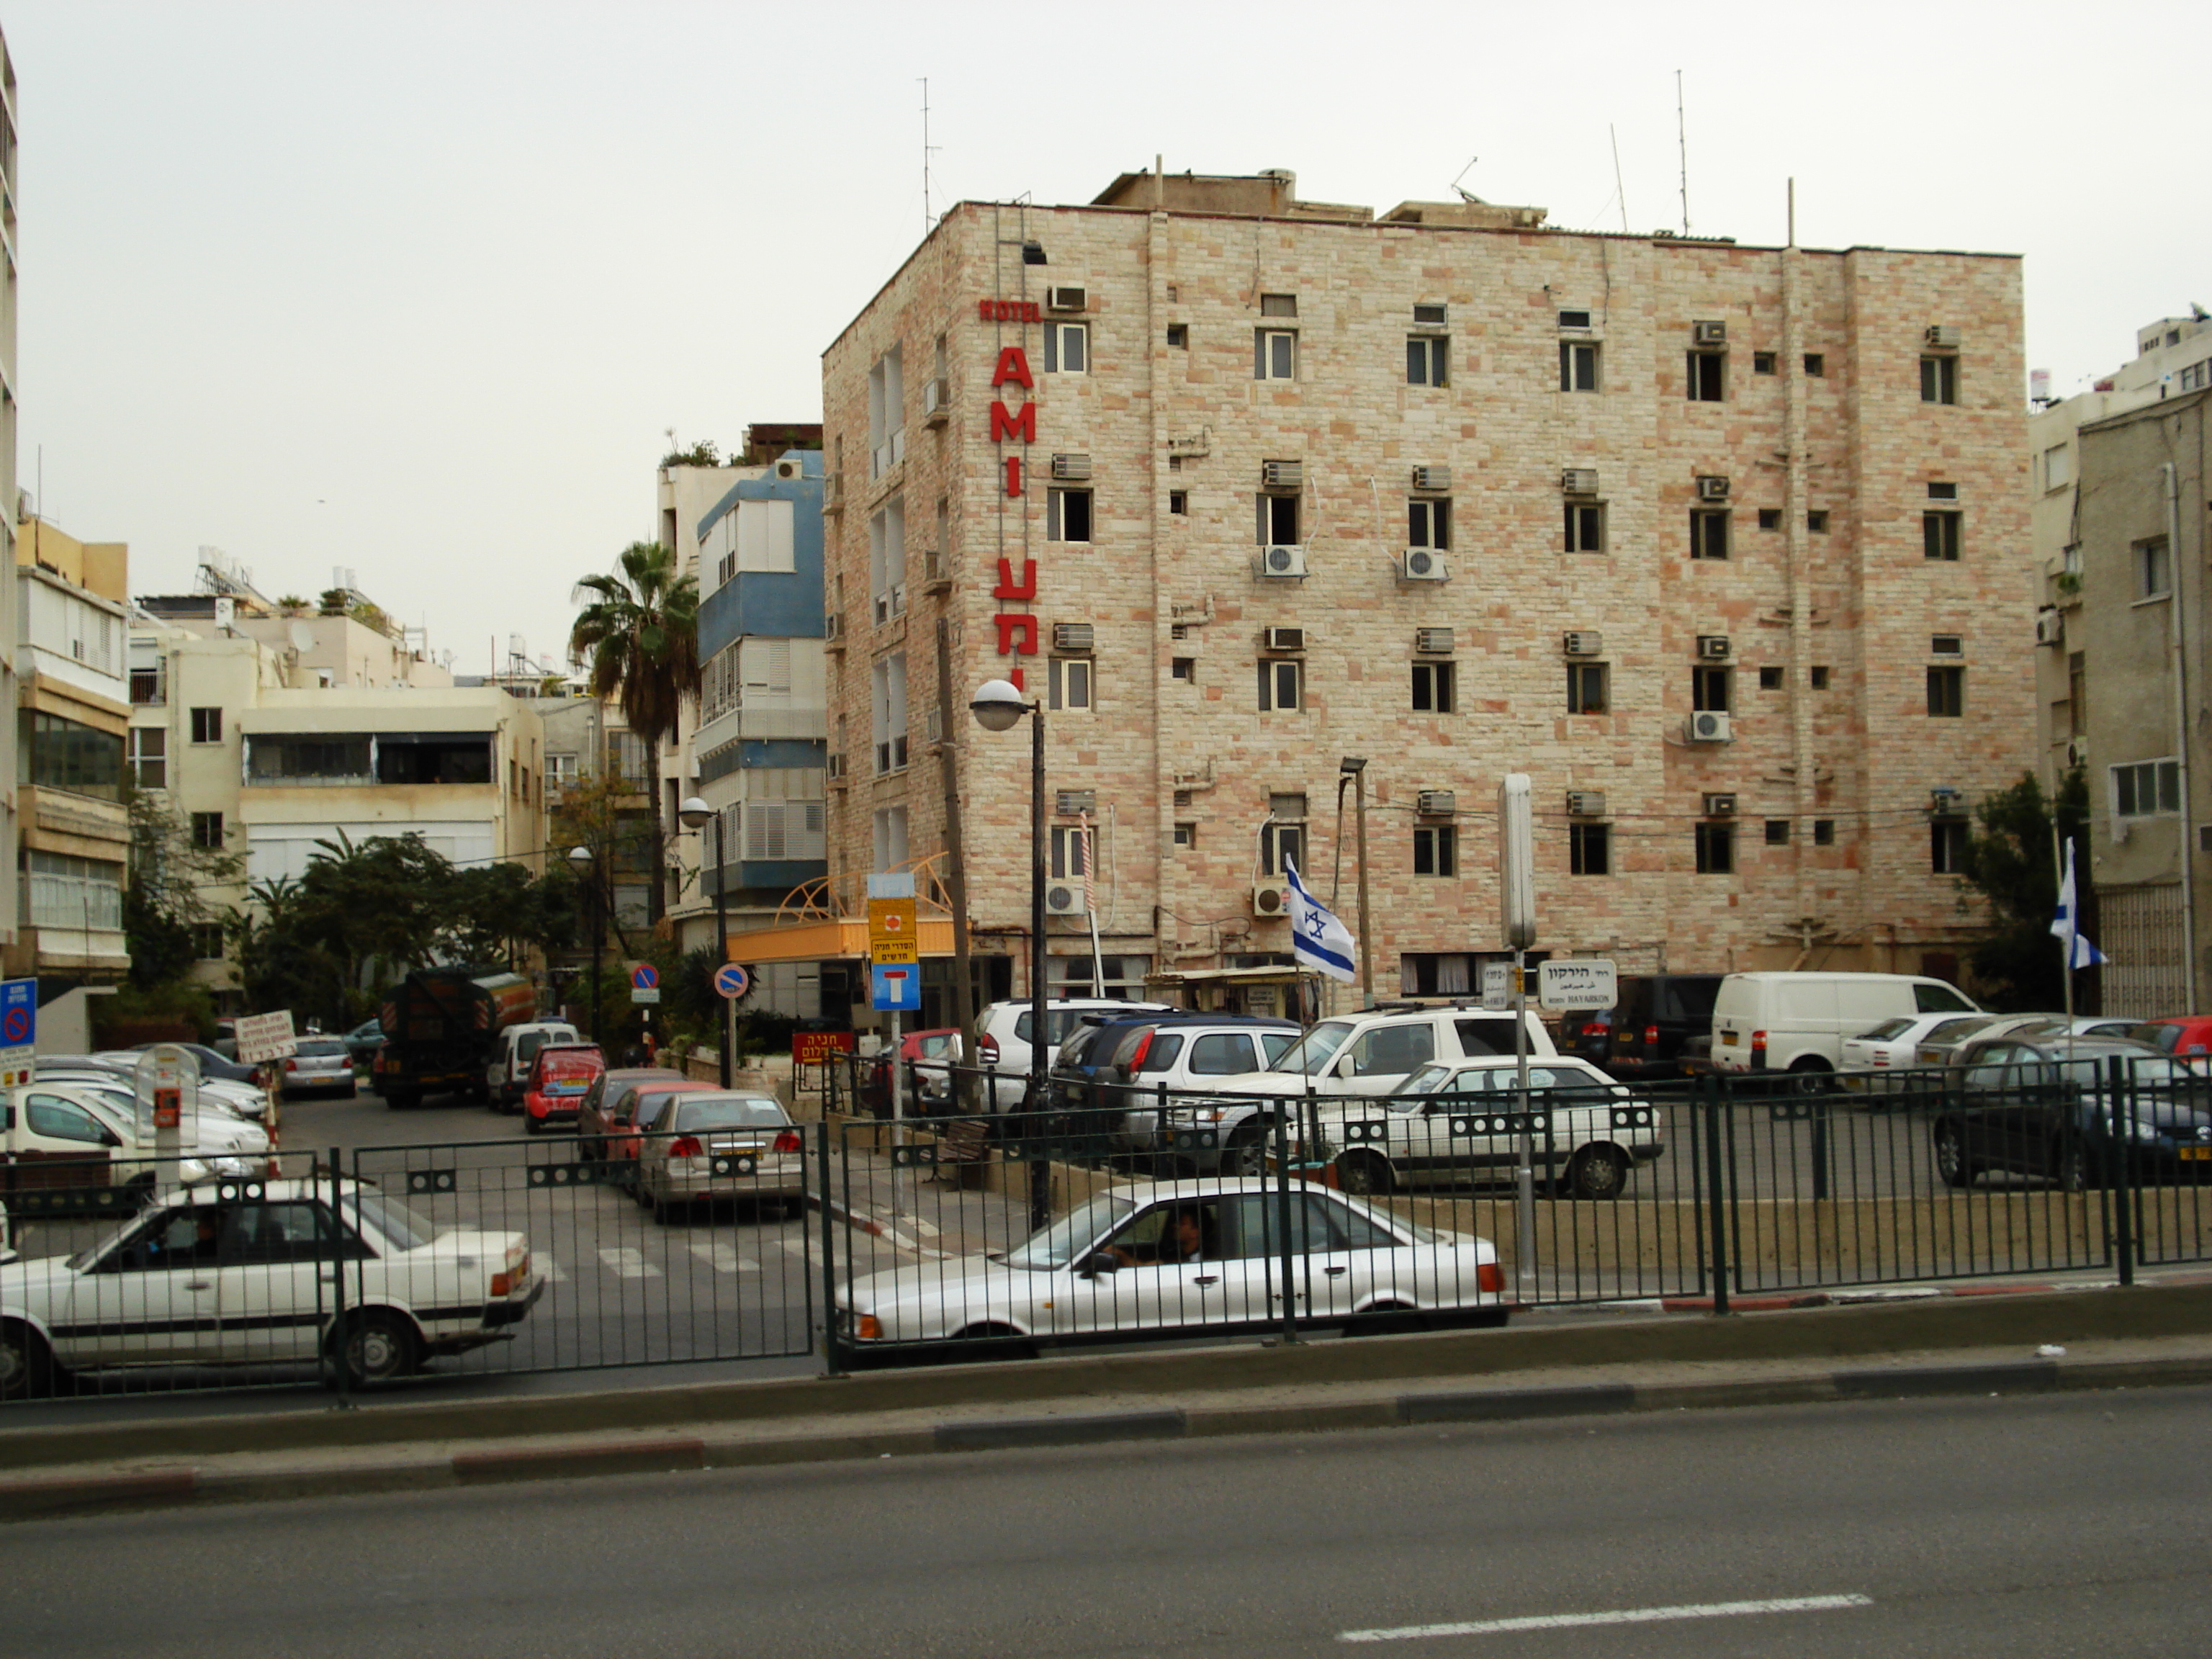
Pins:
x: 418, y: 289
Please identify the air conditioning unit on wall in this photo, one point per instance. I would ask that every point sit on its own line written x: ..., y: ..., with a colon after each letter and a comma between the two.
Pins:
x: 1423, y: 564
x: 1270, y: 898
x: 1709, y: 333
x: 1063, y: 899
x: 1720, y: 805
x: 1585, y: 642
x: 1065, y: 299
x: 1711, y: 487
x: 1586, y: 803
x: 1707, y: 727
x: 1284, y: 639
x: 1283, y: 563
x: 1712, y: 647
x: 1436, y: 803
x: 1579, y: 481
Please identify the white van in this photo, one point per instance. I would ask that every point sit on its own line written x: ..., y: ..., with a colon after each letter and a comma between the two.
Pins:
x: 1797, y: 1022
x: 510, y: 1067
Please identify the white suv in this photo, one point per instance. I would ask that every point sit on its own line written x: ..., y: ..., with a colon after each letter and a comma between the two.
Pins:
x: 1003, y: 1032
x: 1367, y: 1054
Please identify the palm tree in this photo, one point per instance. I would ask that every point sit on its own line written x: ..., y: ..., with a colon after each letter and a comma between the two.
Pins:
x: 637, y: 640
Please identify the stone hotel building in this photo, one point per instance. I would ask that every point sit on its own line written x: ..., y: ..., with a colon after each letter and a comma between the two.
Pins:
x: 1726, y: 546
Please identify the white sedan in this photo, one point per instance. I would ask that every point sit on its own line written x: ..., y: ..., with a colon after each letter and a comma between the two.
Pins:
x: 243, y: 1273
x: 1175, y: 1258
x: 1455, y: 1122
x: 1896, y: 1042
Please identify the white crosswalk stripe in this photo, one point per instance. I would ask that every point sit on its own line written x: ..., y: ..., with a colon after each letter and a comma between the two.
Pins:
x: 552, y: 1271
x: 627, y: 1262
x: 724, y: 1259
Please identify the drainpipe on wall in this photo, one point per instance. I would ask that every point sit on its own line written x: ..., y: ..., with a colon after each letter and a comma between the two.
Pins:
x: 1796, y: 553
x: 2178, y: 633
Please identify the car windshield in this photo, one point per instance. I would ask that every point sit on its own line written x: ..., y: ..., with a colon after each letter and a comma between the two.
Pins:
x: 729, y: 1114
x: 1060, y: 1243
x: 1425, y: 1081
x: 1315, y: 1048
x: 406, y: 1229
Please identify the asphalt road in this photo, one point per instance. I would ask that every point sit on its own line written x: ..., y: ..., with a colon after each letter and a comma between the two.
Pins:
x: 2024, y: 1527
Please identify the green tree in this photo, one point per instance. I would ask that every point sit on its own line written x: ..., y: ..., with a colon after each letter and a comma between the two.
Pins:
x: 164, y: 899
x: 2009, y: 861
x: 637, y: 640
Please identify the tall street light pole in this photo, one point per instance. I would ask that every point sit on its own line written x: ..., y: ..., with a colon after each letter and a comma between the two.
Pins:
x: 998, y: 704
x: 587, y: 867
x: 695, y: 815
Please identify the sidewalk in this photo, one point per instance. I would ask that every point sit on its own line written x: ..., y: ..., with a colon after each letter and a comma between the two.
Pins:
x: 2031, y: 1342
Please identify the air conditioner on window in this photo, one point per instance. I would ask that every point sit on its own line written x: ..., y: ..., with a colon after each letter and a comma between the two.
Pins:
x: 1071, y: 469
x: 1433, y: 641
x: 1709, y: 333
x: 936, y: 401
x: 1720, y: 806
x: 1942, y: 334
x: 1073, y: 637
x: 1712, y: 647
x: 1284, y: 638
x: 1586, y: 803
x: 1270, y: 898
x: 1065, y: 299
x: 1583, y: 643
x: 2050, y: 627
x: 1063, y: 901
x: 1072, y: 802
x: 1422, y: 564
x: 1283, y: 475
x: 1579, y: 481
x: 1712, y: 488
x: 2077, y: 751
x: 1436, y: 803
x: 1431, y: 480
x: 1283, y: 562
x: 1710, y: 728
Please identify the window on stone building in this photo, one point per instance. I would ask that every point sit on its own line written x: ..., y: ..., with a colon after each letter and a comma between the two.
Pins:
x: 1708, y: 376
x: 1762, y: 362
x: 1709, y: 690
x: 1590, y: 849
x: 1817, y: 521
x: 2146, y: 789
x: 1425, y: 358
x: 1067, y: 348
x: 1715, y: 849
x: 1824, y: 832
x: 1816, y: 366
x: 1071, y: 682
x: 1179, y: 337
x: 2153, y: 569
x: 1940, y: 534
x: 1185, y: 833
x: 1183, y: 668
x: 1585, y: 527
x: 1278, y: 520
x: 1067, y: 515
x: 1432, y: 688
x: 1946, y: 693
x: 207, y: 941
x: 207, y: 830
x: 1435, y: 849
x: 1946, y: 846
x: 1770, y: 679
x: 207, y: 725
x: 1282, y: 684
x: 149, y: 756
x: 1278, y: 304
x: 1709, y: 533
x: 1179, y: 503
x: 1777, y: 832
x: 1588, y: 690
x: 1274, y: 353
x: 1428, y: 524
x: 1939, y: 378
x: 1283, y: 835
x: 1578, y: 366
x: 2077, y: 693
x: 1770, y: 518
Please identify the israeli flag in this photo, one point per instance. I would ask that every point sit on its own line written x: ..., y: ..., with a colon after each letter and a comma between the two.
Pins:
x: 1318, y: 939
x: 2080, y: 953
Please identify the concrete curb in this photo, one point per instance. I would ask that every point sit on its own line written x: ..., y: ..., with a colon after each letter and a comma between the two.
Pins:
x: 86, y: 1494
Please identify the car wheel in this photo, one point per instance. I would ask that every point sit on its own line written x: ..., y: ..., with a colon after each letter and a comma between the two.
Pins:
x: 997, y: 1335
x: 1386, y: 1319
x: 401, y: 1103
x: 1951, y: 1163
x: 377, y: 1348
x: 1811, y: 1076
x: 1362, y: 1173
x: 27, y: 1364
x: 1245, y: 1154
x: 1598, y: 1172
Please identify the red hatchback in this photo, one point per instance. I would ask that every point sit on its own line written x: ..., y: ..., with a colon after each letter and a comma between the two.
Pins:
x: 2187, y: 1037
x: 559, y: 1076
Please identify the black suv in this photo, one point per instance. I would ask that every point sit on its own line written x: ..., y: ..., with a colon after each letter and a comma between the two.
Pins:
x: 1092, y: 1088
x: 1643, y: 1034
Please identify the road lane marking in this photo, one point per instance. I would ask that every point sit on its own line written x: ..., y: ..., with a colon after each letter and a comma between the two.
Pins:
x: 553, y: 1273
x: 1621, y: 1616
x: 724, y: 1259
x: 627, y: 1262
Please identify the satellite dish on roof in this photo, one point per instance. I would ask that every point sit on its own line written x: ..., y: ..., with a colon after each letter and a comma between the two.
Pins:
x: 303, y: 637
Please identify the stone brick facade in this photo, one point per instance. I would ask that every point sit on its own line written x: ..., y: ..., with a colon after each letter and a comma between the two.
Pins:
x: 1177, y: 429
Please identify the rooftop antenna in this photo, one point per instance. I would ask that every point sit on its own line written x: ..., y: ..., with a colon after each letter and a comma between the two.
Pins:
x: 1466, y: 195
x: 1619, y: 190
x: 1682, y: 142
x: 928, y: 218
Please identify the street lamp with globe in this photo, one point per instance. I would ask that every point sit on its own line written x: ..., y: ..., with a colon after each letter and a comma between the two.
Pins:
x: 998, y: 706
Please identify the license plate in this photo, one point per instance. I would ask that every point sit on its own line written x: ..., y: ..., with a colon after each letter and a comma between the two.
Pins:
x: 2196, y: 1154
x: 1728, y: 1039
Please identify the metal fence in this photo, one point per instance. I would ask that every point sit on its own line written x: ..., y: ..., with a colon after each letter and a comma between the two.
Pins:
x: 1114, y: 1215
